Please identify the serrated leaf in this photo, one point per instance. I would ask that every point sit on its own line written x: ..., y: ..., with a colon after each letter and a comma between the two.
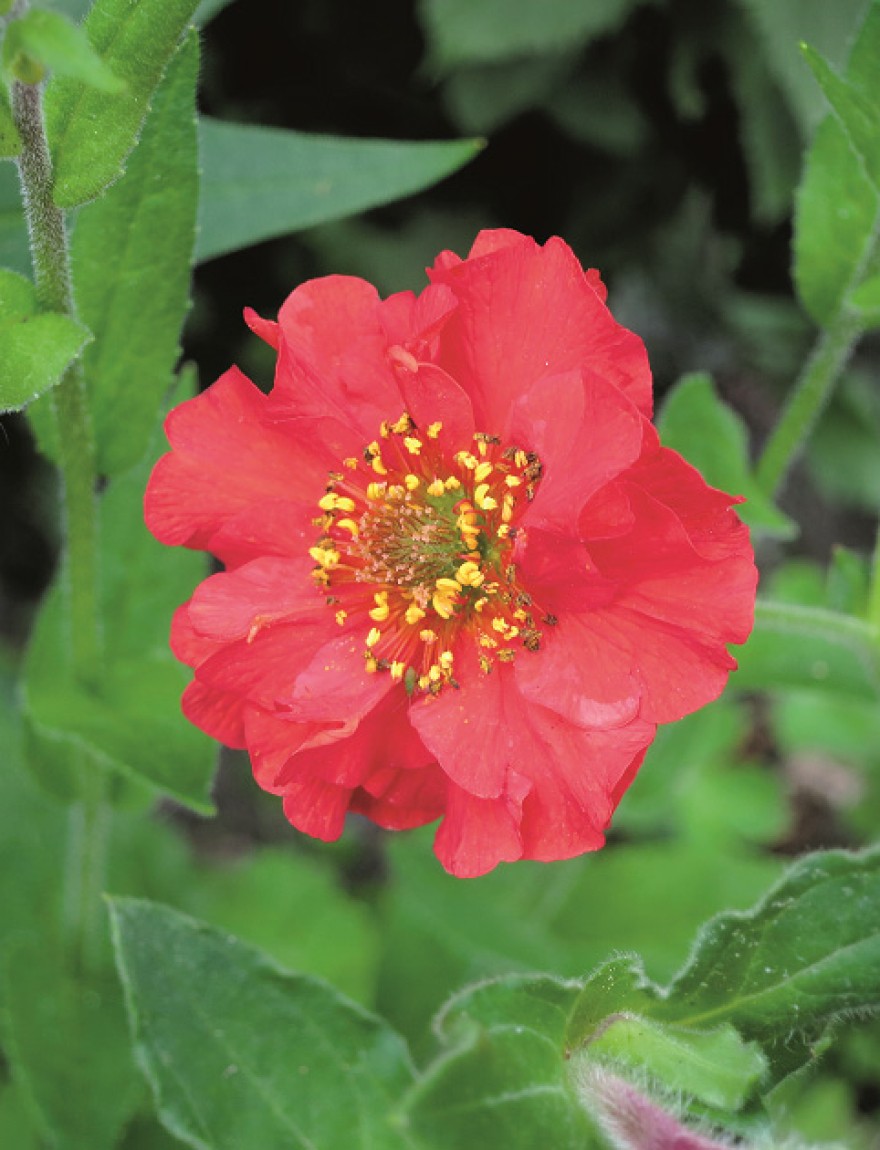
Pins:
x: 35, y: 348
x: 714, y: 1066
x: 240, y: 1052
x: 55, y: 44
x: 91, y: 133
x: 805, y: 956
x: 460, y: 32
x: 130, y: 255
x: 711, y: 436
x: 263, y: 182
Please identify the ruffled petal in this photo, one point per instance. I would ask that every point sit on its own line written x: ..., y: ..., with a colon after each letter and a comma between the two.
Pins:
x: 477, y: 834
x: 526, y: 312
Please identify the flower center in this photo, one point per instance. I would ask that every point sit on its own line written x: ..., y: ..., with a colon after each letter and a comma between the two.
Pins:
x: 419, y: 543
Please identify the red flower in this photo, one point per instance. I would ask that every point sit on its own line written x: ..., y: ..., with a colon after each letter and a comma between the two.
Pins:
x: 463, y: 579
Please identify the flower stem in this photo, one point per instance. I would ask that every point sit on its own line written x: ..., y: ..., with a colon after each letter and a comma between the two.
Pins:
x: 811, y: 393
x: 77, y: 466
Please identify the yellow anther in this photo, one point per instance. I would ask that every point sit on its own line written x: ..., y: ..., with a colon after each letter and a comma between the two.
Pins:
x: 483, y: 499
x: 378, y: 466
x: 481, y: 603
x: 376, y: 490
x: 499, y: 625
x: 424, y: 682
x: 341, y: 616
x: 443, y: 604
x: 384, y: 429
x: 446, y: 660
x: 343, y: 503
x: 434, y: 429
x: 350, y: 462
x: 412, y: 444
x: 436, y: 487
x: 451, y: 586
x: 507, y: 505
x: 381, y: 611
x: 325, y: 557
x: 397, y: 670
x: 504, y: 530
x: 396, y: 491
x: 469, y: 574
x: 428, y: 636
x: 466, y: 459
x: 521, y: 459
x: 328, y: 502
x: 370, y: 665
x: 488, y: 641
x: 434, y: 673
x: 481, y: 446
x: 483, y: 470
x: 372, y: 449
x: 413, y: 613
x: 512, y: 480
x: 403, y: 424
x: 348, y: 525
x: 411, y: 482
x: 452, y: 483
x: 373, y: 636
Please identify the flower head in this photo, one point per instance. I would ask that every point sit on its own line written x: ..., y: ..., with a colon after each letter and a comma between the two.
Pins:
x: 463, y: 580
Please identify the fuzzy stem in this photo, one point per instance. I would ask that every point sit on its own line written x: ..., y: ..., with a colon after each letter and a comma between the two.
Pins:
x: 76, y: 460
x: 874, y: 589
x: 808, y: 399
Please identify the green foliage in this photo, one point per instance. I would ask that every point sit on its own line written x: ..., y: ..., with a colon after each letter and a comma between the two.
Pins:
x: 91, y: 133
x: 695, y: 422
x: 35, y: 349
x: 42, y: 41
x: 131, y: 255
x: 263, y: 182
x: 240, y: 1052
x: 10, y: 141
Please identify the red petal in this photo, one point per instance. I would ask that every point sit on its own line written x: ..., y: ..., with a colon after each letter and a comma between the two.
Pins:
x: 219, y: 714
x: 431, y: 395
x: 477, y: 834
x: 239, y: 604
x: 526, y: 312
x: 317, y: 808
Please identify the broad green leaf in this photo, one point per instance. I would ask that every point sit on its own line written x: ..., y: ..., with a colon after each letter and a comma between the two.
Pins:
x: 17, y: 1126
x: 805, y: 956
x: 711, y: 436
x: 10, y: 141
x: 131, y: 253
x: 714, y: 1066
x: 134, y: 724
x: 263, y: 182
x: 240, y: 1052
x: 504, y: 1086
x: 258, y: 897
x: 539, y: 1002
x: 51, y: 42
x: 857, y: 114
x: 91, y: 133
x: 35, y: 349
x: 847, y: 581
x: 460, y: 32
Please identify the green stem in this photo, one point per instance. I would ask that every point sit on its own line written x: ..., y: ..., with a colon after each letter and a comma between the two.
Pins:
x: 811, y: 393
x: 76, y: 459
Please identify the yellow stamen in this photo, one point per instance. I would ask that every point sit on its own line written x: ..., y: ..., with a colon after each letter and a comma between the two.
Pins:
x: 370, y: 665
x: 411, y: 482
x: 403, y: 424
x: 378, y: 466
x: 507, y: 505
x: 483, y: 499
x: 413, y: 445
x: 350, y: 462
x: 373, y: 636
x: 348, y: 525
x: 469, y: 574
x: 452, y: 483
x: 413, y: 613
x: 396, y: 491
x: 325, y: 557
x: 376, y: 490
x: 397, y: 670
x: 512, y: 480
x: 434, y: 429
x: 483, y: 470
x: 480, y: 604
x: 446, y: 660
x: 428, y: 636
x: 435, y: 487
x: 341, y: 616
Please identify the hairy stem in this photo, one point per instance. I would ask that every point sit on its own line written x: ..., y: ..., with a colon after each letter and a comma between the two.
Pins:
x: 76, y: 460
x: 808, y: 399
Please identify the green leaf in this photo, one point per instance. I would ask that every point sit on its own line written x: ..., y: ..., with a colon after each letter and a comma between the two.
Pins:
x: 264, y: 182
x: 837, y: 219
x: 539, y: 1002
x: 131, y: 254
x: 866, y: 301
x: 695, y: 422
x: 14, y: 250
x: 505, y: 1086
x: 66, y: 1039
x: 35, y: 349
x: 805, y: 956
x: 52, y: 43
x: 240, y: 1052
x: 133, y: 725
x: 857, y: 114
x: 10, y: 141
x: 714, y: 1066
x: 91, y: 133
x: 460, y: 32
